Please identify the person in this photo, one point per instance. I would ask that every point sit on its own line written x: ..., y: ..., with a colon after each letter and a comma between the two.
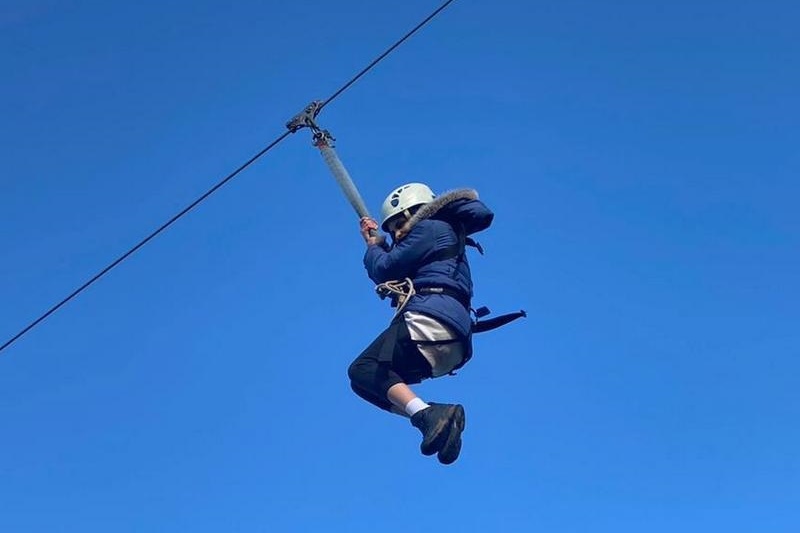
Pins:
x: 428, y: 276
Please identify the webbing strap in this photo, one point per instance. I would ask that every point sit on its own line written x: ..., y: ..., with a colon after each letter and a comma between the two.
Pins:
x: 493, y: 323
x: 462, y: 298
x: 457, y: 249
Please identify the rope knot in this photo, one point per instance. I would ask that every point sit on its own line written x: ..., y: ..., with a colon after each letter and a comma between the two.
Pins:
x: 400, y: 291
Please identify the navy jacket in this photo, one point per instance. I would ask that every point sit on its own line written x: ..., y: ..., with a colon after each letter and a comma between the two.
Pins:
x: 414, y: 256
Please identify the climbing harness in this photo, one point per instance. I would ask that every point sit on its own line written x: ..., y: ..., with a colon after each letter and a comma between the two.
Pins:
x: 400, y: 293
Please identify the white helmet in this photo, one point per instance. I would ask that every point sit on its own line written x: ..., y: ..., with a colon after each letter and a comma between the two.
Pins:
x: 404, y: 197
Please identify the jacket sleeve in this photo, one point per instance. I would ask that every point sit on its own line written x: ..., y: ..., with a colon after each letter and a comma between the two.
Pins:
x: 403, y: 260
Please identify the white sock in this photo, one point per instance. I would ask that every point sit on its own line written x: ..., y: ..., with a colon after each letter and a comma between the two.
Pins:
x: 415, y: 406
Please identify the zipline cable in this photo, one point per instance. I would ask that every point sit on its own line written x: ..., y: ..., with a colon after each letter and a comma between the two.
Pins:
x: 386, y: 53
x: 213, y: 189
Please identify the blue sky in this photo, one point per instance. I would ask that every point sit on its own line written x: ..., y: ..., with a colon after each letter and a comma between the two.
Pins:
x: 642, y: 161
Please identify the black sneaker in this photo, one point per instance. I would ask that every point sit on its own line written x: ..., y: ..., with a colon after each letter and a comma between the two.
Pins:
x: 434, y: 422
x: 452, y: 446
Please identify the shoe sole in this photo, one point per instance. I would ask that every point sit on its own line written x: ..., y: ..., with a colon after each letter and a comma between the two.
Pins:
x: 452, y: 446
x: 440, y: 432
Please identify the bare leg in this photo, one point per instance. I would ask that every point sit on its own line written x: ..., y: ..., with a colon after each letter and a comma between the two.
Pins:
x: 400, y: 394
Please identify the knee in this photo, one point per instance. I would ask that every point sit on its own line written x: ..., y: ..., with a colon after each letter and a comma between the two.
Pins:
x: 355, y: 371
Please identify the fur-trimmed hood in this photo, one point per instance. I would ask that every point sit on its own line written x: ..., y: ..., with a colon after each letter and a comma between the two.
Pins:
x: 433, y: 207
